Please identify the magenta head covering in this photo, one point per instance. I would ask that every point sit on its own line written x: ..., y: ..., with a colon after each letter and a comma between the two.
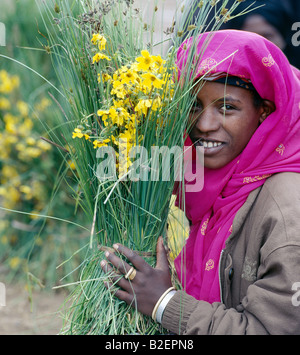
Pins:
x: 274, y: 148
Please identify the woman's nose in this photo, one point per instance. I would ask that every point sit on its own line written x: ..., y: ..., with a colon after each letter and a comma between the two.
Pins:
x: 207, y: 121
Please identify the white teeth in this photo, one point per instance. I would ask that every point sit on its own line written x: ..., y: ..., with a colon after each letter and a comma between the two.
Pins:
x: 211, y: 144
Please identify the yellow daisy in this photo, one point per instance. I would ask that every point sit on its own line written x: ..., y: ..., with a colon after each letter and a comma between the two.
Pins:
x: 152, y: 80
x: 145, y: 61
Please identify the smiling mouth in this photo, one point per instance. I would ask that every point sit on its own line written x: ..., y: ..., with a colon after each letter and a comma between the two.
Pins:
x: 208, y: 143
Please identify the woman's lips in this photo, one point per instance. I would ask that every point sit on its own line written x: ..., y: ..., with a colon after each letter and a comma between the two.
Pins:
x: 211, y: 147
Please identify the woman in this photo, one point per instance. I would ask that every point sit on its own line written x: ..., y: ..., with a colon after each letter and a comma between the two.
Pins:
x: 240, y: 265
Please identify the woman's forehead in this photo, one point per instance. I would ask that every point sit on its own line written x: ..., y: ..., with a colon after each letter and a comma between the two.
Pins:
x: 219, y: 90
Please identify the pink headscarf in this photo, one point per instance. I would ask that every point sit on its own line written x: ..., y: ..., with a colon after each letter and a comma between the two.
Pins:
x: 274, y: 148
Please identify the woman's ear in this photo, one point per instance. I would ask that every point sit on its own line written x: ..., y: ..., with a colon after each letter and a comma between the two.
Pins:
x: 267, y: 108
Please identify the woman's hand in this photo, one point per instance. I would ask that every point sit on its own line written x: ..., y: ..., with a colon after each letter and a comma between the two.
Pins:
x: 148, y: 284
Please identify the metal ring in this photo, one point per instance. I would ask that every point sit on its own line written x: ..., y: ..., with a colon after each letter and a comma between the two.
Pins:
x: 130, y: 274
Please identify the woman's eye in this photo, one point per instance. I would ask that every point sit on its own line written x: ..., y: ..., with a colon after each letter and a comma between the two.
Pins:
x: 227, y: 108
x: 196, y: 107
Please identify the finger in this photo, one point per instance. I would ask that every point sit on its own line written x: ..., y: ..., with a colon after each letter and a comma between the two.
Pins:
x: 106, y: 267
x: 110, y: 272
x: 118, y: 263
x: 162, y: 258
x: 137, y: 261
x: 116, y: 278
x: 120, y: 294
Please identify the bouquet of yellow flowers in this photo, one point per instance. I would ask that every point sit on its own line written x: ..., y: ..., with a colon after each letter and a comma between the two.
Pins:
x: 136, y: 89
x: 124, y: 123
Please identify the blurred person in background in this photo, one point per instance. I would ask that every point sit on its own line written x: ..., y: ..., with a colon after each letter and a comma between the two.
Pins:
x: 276, y: 20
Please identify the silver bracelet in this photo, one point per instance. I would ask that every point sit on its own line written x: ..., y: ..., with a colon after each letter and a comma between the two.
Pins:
x: 163, y: 304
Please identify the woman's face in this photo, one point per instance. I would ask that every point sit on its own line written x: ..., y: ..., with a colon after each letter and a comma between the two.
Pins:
x: 223, y: 121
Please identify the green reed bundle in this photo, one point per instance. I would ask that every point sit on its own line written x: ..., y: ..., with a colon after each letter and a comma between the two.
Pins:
x: 119, y: 100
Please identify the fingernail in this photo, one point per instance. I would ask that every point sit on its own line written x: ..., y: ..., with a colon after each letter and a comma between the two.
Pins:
x: 115, y: 246
x: 106, y: 254
x: 103, y: 262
